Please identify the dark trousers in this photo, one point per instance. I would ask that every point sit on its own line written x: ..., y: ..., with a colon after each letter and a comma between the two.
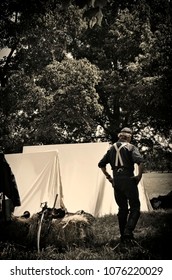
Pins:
x: 127, y: 198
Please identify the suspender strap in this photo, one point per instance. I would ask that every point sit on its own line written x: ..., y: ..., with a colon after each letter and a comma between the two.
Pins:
x: 118, y: 156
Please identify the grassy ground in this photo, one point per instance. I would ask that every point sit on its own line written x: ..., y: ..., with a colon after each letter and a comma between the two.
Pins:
x: 153, y: 235
x: 153, y: 242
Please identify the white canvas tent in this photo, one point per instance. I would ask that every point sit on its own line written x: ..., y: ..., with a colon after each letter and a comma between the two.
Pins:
x: 84, y: 186
x: 38, y: 179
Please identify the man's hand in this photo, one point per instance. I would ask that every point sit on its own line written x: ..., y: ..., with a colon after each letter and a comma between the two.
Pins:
x: 107, y: 175
x: 110, y: 179
x: 137, y: 178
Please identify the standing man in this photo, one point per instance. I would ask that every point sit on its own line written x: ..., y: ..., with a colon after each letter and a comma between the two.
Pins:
x: 122, y: 156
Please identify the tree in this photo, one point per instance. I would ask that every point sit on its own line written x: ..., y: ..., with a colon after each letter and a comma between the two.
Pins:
x: 44, y: 38
x: 59, y: 105
x: 136, y: 66
x: 125, y: 48
x: 70, y: 85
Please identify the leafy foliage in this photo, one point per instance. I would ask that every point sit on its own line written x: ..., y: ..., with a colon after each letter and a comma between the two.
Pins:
x: 118, y: 73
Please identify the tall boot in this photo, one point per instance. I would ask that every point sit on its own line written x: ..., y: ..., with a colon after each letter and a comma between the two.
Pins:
x: 122, y: 221
x: 131, y: 223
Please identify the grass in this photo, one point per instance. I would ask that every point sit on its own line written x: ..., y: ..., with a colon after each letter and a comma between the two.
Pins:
x: 153, y: 235
x: 153, y: 242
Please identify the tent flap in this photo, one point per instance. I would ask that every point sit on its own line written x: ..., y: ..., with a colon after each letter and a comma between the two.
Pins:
x: 38, y: 179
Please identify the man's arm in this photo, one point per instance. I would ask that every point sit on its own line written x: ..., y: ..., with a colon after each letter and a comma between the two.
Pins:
x: 138, y: 159
x: 108, y: 176
x: 140, y: 172
x: 102, y: 165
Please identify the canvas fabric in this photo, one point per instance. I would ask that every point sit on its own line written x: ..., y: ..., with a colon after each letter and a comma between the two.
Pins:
x: 69, y: 170
x: 38, y: 179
